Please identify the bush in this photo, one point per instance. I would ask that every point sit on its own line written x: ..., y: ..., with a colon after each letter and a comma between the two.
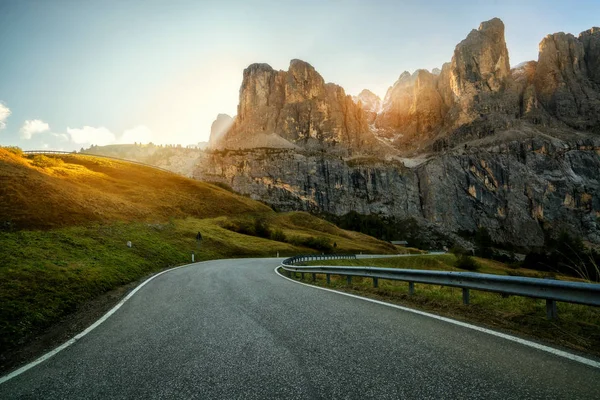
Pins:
x: 42, y: 161
x: 13, y: 149
x: 566, y: 255
x: 243, y: 227
x: 459, y: 251
x: 319, y: 243
x: 466, y: 262
x: 261, y: 228
x: 514, y: 265
x: 278, y: 235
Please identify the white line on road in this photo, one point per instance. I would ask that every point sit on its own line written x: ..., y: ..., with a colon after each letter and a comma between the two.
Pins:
x: 524, y: 342
x: 88, y: 330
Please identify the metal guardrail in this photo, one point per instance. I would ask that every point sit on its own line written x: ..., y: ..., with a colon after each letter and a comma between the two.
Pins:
x: 317, y: 257
x: 548, y: 289
x: 74, y: 153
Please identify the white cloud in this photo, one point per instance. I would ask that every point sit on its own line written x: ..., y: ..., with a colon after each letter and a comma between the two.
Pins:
x: 90, y: 135
x: 4, y: 114
x: 139, y: 134
x: 33, y: 126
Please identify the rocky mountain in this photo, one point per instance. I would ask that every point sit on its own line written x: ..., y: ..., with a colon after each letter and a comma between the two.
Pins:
x: 219, y: 128
x: 299, y: 107
x: 566, y: 79
x: 413, y: 109
x: 477, y: 94
x: 474, y: 145
x: 370, y: 103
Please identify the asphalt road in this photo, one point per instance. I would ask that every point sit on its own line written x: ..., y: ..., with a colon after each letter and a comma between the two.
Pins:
x: 233, y: 329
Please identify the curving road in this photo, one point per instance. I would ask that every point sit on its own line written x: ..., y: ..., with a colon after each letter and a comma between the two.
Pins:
x: 234, y: 329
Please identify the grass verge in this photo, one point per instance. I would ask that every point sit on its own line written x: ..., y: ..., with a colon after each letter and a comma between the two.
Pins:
x: 577, y: 326
x: 46, y: 275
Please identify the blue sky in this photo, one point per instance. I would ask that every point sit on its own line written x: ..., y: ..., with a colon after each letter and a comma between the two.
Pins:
x: 77, y: 72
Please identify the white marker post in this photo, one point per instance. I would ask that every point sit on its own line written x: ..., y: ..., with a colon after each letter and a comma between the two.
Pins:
x: 193, y: 256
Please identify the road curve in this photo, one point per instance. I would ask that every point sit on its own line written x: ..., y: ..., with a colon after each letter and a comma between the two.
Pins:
x: 234, y: 329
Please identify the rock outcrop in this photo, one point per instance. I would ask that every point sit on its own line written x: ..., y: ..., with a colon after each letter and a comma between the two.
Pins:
x: 564, y: 85
x: 413, y: 109
x: 477, y: 94
x: 423, y: 106
x: 298, y: 106
x: 591, y: 49
x: 219, y: 128
x: 473, y: 96
x: 370, y: 103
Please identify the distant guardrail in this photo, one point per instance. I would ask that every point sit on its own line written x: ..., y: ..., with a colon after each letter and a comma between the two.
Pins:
x: 548, y: 289
x: 74, y: 153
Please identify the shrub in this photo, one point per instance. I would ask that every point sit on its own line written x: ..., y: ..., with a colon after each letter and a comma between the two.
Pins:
x: 243, y: 227
x: 466, y: 262
x: 41, y: 161
x: 278, y: 235
x: 13, y: 149
x: 319, y: 243
x: 514, y: 265
x: 458, y: 251
x: 261, y: 228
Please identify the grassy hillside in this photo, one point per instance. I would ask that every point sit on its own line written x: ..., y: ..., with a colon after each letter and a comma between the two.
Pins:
x: 65, y: 221
x: 43, y: 192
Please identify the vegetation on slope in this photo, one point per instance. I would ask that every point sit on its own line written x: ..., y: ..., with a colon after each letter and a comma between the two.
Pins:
x: 65, y: 221
x: 42, y: 192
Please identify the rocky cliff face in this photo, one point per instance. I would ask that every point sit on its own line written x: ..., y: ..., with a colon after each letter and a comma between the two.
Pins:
x: 517, y: 188
x: 219, y: 128
x: 564, y: 85
x: 413, y: 109
x: 591, y: 49
x: 298, y: 106
x: 370, y: 103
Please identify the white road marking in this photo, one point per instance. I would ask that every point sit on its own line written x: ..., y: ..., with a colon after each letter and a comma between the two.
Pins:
x: 524, y: 342
x: 88, y: 330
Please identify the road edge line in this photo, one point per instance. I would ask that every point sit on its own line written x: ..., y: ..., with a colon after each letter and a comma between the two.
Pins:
x: 528, y: 343
x: 90, y: 328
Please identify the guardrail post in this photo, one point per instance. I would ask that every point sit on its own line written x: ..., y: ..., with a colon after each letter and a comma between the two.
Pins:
x: 302, y: 275
x: 349, y: 279
x: 466, y: 295
x: 328, y: 278
x: 375, y: 282
x: 551, y: 311
x: 411, y: 288
x: 314, y: 276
